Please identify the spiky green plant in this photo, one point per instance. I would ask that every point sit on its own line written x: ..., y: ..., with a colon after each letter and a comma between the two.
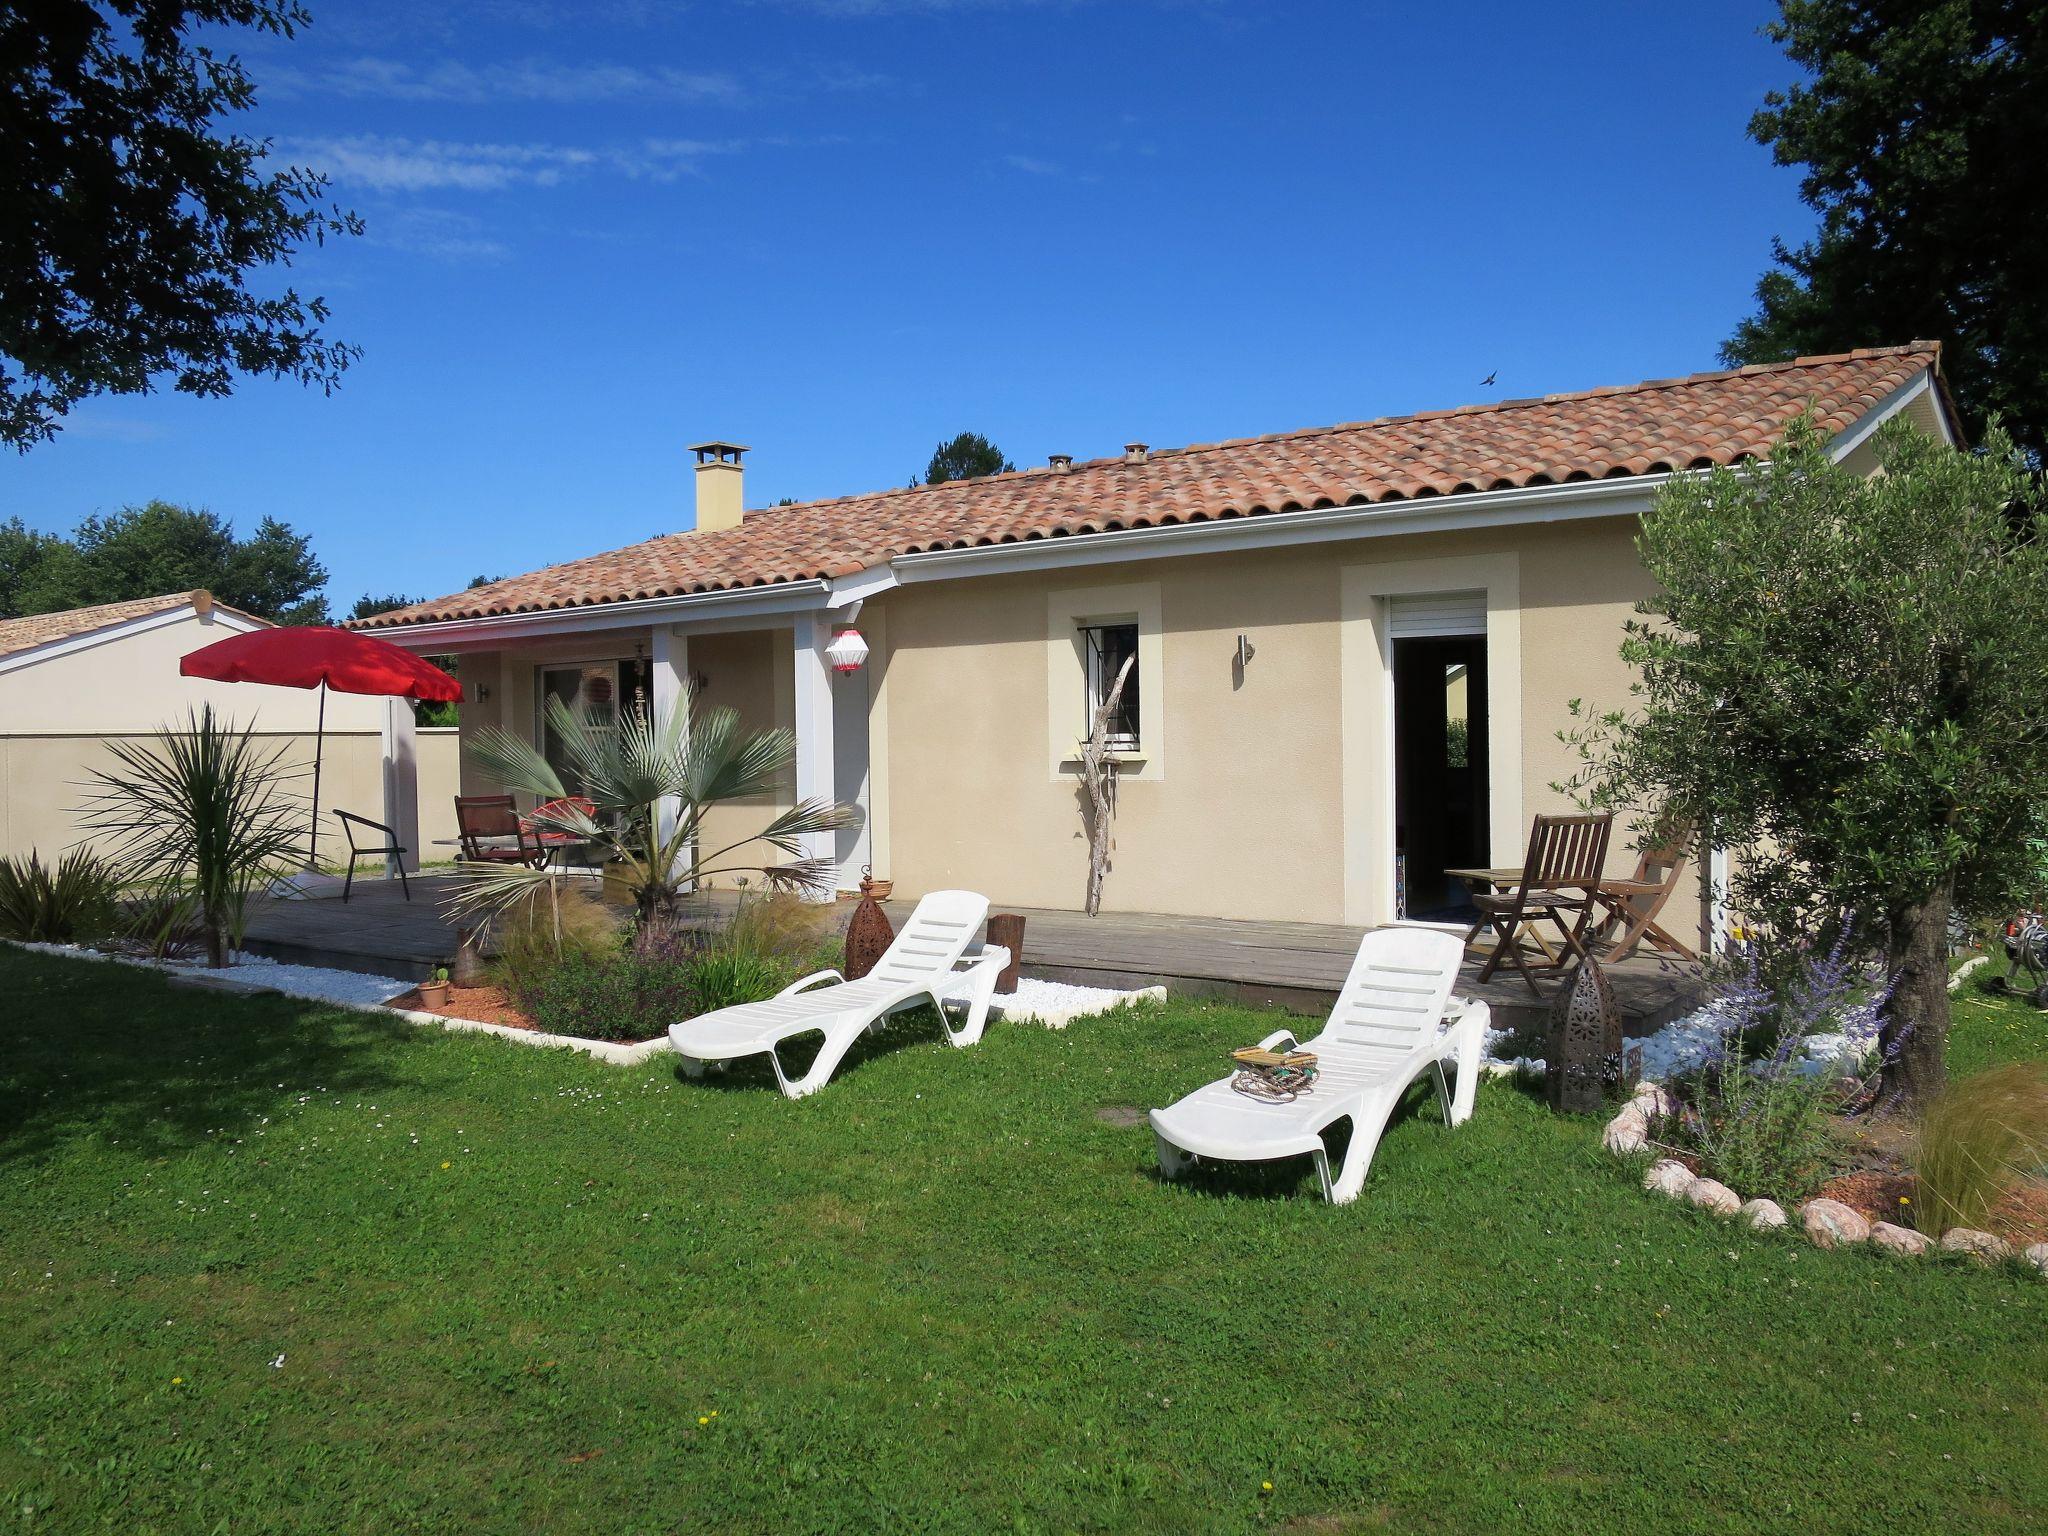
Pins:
x: 627, y: 768
x: 1978, y: 1138
x: 76, y: 900
x: 200, y: 811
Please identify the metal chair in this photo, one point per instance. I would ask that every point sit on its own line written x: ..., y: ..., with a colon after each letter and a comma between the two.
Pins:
x: 1560, y: 883
x: 391, y: 848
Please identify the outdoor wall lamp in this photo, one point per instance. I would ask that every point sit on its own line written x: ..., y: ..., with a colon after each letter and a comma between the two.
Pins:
x: 483, y: 691
x: 847, y: 651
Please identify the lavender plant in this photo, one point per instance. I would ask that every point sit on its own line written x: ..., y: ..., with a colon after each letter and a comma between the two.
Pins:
x: 1760, y: 1105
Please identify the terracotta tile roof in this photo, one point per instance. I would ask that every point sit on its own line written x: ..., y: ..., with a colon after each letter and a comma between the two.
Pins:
x: 25, y: 634
x: 1664, y: 424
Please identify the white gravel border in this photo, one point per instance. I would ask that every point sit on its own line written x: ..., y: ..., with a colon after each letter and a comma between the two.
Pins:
x: 1056, y: 1004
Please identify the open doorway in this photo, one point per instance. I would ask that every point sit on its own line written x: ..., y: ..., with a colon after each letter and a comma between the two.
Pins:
x: 1440, y: 772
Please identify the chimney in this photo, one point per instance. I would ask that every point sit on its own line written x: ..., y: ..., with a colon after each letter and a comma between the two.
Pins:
x: 1134, y: 453
x: 721, y: 493
x: 1060, y: 462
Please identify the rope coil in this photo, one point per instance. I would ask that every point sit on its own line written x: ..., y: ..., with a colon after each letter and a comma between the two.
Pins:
x: 1273, y: 1077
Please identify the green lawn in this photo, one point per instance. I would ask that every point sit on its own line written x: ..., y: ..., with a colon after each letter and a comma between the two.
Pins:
x: 505, y: 1286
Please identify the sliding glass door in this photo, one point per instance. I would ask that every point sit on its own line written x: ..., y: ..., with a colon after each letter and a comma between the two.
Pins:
x: 591, y: 691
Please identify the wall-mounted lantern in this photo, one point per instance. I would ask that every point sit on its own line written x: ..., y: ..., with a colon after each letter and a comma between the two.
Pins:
x: 848, y: 650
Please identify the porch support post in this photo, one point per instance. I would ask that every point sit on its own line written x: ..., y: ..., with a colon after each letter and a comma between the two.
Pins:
x: 669, y: 664
x: 814, y: 730
x: 1714, y: 917
x: 401, y: 784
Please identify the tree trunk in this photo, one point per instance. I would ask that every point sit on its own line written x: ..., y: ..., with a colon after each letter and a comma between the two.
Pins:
x: 216, y: 946
x: 1915, y: 1036
x: 1098, y: 778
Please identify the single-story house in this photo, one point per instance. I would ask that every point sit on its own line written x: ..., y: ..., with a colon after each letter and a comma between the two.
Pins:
x: 1310, y: 611
x: 70, y: 682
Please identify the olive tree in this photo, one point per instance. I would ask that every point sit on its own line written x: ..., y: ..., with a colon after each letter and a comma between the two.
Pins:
x: 1845, y: 678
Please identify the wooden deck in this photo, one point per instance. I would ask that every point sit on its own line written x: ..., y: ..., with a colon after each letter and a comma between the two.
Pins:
x: 1289, y: 965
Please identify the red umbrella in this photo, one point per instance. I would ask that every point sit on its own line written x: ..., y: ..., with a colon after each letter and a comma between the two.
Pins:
x: 319, y: 656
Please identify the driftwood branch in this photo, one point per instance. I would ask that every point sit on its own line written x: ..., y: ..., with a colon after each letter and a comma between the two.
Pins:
x: 1098, y: 777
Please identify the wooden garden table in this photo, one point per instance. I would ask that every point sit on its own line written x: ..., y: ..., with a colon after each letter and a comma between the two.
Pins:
x: 1613, y: 893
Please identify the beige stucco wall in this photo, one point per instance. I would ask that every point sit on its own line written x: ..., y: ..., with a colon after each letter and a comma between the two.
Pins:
x: 1248, y: 817
x: 57, y: 715
x: 1239, y: 806
x: 752, y: 672
x: 131, y: 683
x: 45, y: 778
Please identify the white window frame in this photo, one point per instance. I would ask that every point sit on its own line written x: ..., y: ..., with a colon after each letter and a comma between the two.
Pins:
x: 1070, y: 690
x: 1100, y: 680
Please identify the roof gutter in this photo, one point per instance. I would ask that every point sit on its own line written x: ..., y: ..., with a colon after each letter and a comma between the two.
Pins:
x: 1630, y: 496
x: 692, y: 608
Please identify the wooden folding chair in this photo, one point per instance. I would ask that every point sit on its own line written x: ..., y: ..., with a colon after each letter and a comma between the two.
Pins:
x: 1629, y: 908
x: 485, y: 822
x: 1559, y: 884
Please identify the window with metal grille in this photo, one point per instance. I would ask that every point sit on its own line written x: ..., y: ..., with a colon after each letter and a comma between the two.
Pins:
x: 1109, y: 645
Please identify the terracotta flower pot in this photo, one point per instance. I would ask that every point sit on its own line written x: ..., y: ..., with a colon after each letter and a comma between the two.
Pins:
x: 434, y: 994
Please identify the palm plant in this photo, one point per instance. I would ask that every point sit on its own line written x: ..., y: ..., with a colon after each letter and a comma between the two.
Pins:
x: 76, y: 900
x: 198, y: 815
x: 627, y: 769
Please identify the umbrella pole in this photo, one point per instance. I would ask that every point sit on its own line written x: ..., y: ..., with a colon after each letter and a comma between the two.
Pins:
x: 319, y: 738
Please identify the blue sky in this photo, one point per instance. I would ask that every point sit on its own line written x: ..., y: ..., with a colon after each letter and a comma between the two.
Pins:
x: 841, y: 230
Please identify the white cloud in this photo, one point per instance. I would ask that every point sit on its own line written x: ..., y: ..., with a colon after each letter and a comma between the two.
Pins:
x: 421, y: 165
x: 530, y: 80
x: 391, y: 164
x: 1032, y: 165
x: 440, y: 233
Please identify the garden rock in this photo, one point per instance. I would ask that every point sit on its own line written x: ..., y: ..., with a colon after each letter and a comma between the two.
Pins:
x: 2036, y: 1254
x: 1669, y: 1176
x: 1979, y: 1245
x: 1765, y: 1215
x: 1903, y: 1241
x: 1712, y: 1195
x: 1829, y: 1223
x: 1627, y: 1133
x: 1655, y: 1101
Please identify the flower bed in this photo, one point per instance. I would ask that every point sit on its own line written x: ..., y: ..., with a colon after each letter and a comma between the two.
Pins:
x: 1774, y: 1113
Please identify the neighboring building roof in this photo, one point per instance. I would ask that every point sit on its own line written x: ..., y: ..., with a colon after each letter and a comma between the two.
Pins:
x: 39, y: 629
x: 1666, y: 424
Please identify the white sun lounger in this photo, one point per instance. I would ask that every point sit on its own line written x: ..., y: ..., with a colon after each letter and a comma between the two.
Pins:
x: 918, y: 967
x: 1394, y: 1021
